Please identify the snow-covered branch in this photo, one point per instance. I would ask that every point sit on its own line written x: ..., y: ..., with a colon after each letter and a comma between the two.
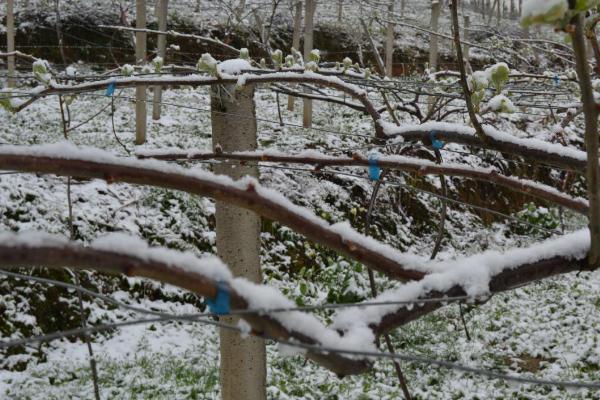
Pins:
x: 68, y: 160
x: 19, y: 54
x: 534, y: 150
x: 175, y: 34
x: 477, y: 276
x: 421, y: 167
x: 122, y: 254
x: 226, y: 79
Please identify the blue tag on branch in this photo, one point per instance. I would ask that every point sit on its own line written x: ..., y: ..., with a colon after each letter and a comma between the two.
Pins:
x: 220, y: 304
x: 436, y: 144
x: 110, y: 90
x: 374, y: 170
x: 556, y: 80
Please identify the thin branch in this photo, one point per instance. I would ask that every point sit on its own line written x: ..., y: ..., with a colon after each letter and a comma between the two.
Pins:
x: 68, y: 160
x: 200, y: 80
x: 533, y: 150
x: 590, y: 112
x: 174, y: 34
x: 463, y: 74
x: 40, y: 250
x: 418, y: 166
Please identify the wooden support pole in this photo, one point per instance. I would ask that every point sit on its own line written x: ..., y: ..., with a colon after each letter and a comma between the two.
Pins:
x: 296, y: 41
x: 436, y: 8
x: 10, y: 41
x: 466, y: 47
x: 498, y: 12
x: 243, y: 361
x: 310, y: 7
x: 389, y: 42
x: 161, y: 47
x: 592, y: 142
x: 374, y: 49
x: 140, y: 58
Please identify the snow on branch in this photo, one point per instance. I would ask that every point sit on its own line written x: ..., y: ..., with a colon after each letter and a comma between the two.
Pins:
x: 534, y: 150
x: 421, y: 167
x: 477, y: 276
x: 19, y: 54
x: 123, y: 254
x: 225, y: 79
x: 65, y: 159
x: 174, y: 34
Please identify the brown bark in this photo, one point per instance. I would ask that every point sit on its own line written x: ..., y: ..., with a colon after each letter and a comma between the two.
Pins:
x: 57, y: 256
x: 248, y: 197
x: 590, y: 111
x: 420, y: 167
x: 289, y: 77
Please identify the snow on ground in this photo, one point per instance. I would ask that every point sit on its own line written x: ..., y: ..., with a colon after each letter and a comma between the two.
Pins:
x: 548, y: 330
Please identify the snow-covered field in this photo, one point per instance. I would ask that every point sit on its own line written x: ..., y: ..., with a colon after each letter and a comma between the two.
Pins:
x: 548, y: 330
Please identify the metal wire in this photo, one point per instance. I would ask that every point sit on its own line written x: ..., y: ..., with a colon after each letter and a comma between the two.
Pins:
x: 313, y: 348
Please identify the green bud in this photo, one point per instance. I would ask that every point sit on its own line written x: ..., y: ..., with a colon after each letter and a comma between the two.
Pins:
x: 289, y: 60
x: 5, y: 102
x: 499, y: 74
x: 314, y: 56
x: 277, y: 58
x: 41, y: 71
x: 157, y: 63
x: 127, y: 70
x: 311, y: 66
x: 207, y: 64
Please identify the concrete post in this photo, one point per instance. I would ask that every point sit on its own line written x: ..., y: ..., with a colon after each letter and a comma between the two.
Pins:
x: 389, y: 42
x: 140, y: 58
x: 311, y: 5
x: 243, y: 361
x: 436, y: 8
x: 296, y: 41
x: 466, y: 48
x: 161, y: 47
x: 10, y: 41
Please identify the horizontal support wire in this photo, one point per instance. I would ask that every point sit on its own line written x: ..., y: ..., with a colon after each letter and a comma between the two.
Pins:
x: 393, y: 183
x: 260, y: 311
x: 201, y: 318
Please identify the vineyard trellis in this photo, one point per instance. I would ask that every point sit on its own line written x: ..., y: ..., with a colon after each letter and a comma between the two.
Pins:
x: 347, y: 346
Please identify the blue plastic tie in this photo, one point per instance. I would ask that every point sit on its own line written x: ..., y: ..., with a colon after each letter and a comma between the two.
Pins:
x: 220, y: 304
x: 556, y: 80
x: 110, y: 90
x: 374, y: 170
x: 435, y: 143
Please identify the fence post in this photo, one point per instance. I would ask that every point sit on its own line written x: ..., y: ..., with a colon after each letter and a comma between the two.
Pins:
x: 308, y: 46
x: 243, y: 361
x: 499, y: 12
x: 389, y: 42
x: 467, y: 48
x: 140, y: 58
x: 161, y: 46
x: 296, y: 41
x: 436, y: 8
x: 10, y: 41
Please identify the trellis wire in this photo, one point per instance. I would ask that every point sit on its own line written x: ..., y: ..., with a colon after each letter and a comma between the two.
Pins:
x: 314, y: 348
x: 398, y: 184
